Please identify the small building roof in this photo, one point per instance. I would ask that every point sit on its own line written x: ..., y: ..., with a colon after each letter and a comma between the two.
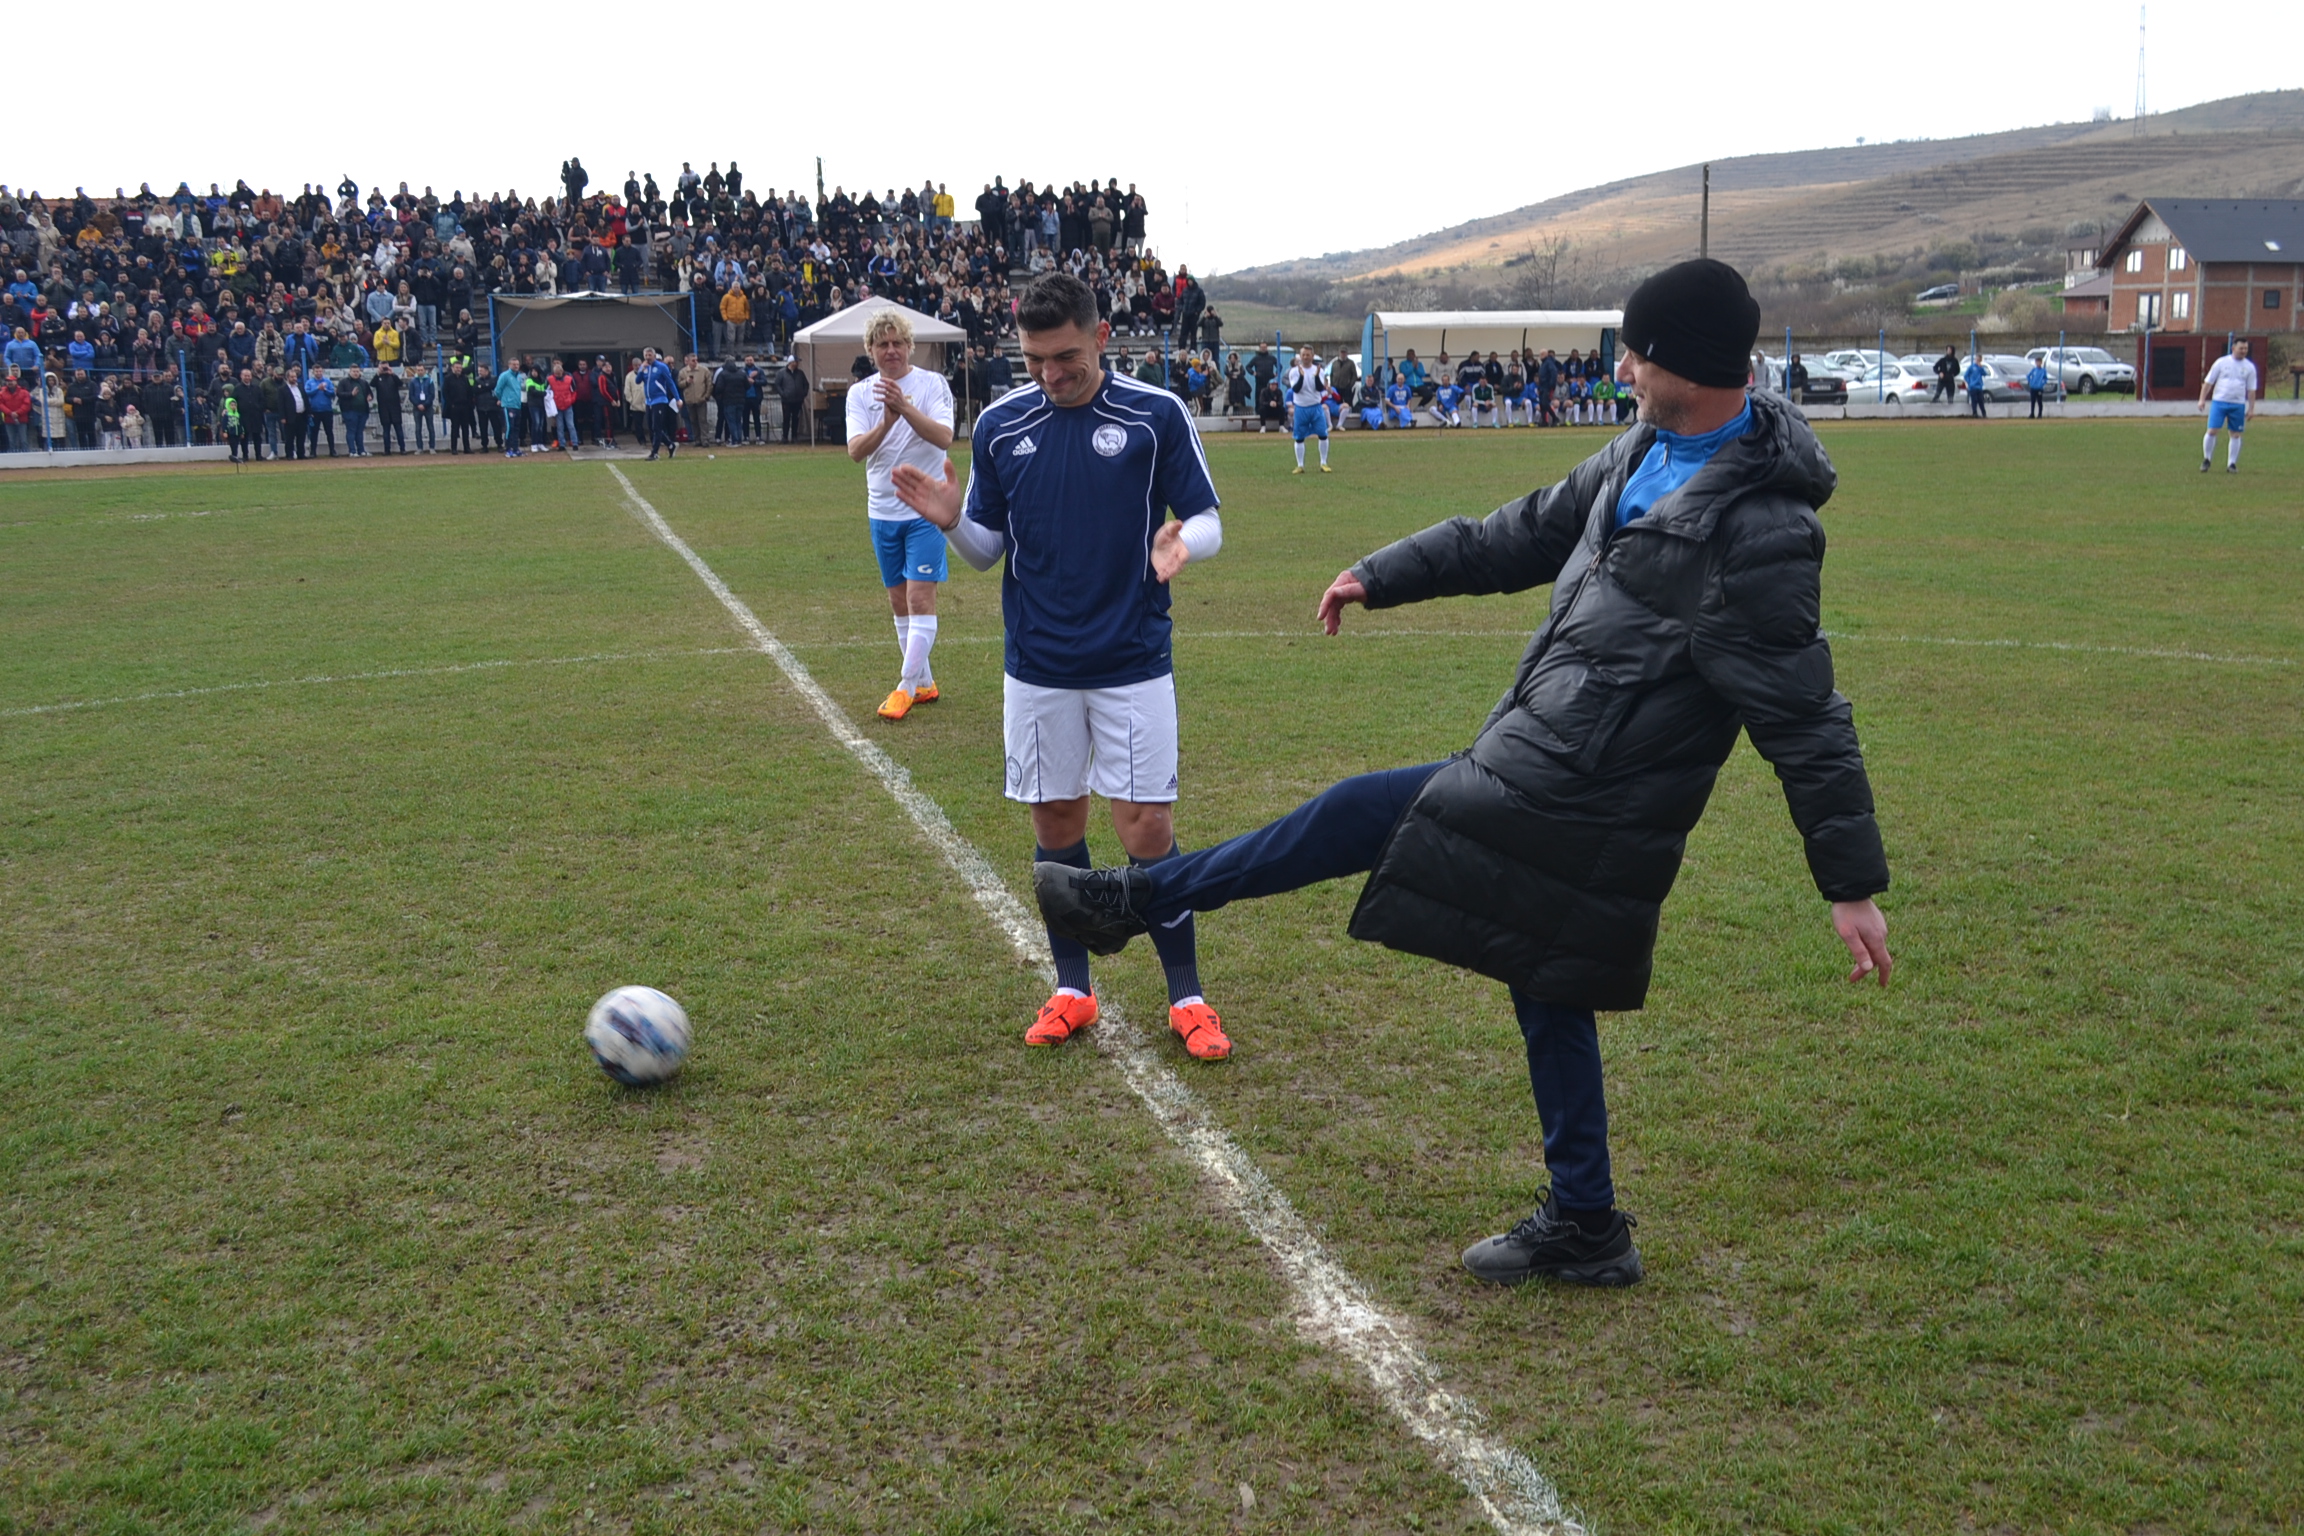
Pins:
x: 2250, y: 229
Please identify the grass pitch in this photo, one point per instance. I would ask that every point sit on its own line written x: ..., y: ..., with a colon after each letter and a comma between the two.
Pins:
x: 332, y: 798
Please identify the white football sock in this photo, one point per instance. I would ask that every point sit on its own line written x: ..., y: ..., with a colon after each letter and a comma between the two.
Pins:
x: 903, y: 638
x: 1299, y: 453
x: 2207, y: 447
x: 1324, y: 449
x: 2232, y: 449
x: 917, y: 673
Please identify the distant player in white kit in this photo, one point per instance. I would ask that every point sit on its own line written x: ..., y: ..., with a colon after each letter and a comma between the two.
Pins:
x: 2231, y: 384
x: 1094, y: 489
x: 902, y: 415
x: 1307, y: 386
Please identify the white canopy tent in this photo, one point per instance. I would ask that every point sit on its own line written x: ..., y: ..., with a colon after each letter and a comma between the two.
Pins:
x: 828, y: 349
x: 1458, y: 331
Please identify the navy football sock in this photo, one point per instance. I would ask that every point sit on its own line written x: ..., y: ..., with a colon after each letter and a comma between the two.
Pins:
x: 1071, y: 955
x: 1178, y: 945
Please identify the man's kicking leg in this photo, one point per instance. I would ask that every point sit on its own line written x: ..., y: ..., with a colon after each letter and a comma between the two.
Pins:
x: 1337, y: 832
x: 1577, y: 1235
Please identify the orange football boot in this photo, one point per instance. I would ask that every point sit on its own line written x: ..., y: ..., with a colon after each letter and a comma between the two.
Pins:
x: 927, y: 693
x: 897, y: 705
x: 1060, y: 1019
x: 1203, y: 1032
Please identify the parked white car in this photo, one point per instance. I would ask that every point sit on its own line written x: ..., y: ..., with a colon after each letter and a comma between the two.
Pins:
x: 2087, y: 369
x: 1894, y: 384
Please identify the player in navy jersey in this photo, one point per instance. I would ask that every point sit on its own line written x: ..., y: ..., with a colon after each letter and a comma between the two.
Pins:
x: 1073, y: 478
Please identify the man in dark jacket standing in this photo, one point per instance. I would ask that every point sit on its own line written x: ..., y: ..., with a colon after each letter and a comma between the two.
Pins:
x: 792, y: 394
x: 1686, y: 561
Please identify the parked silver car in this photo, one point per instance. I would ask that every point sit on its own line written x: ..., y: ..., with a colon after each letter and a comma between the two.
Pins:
x: 2004, y: 379
x: 2086, y: 370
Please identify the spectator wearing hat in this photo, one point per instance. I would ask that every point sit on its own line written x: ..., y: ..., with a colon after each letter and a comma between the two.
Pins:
x: 792, y: 389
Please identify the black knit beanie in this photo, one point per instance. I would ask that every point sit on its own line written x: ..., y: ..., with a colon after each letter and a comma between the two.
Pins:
x: 1696, y: 319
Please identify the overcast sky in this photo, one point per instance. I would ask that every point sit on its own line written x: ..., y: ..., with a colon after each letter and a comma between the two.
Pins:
x: 1236, y: 123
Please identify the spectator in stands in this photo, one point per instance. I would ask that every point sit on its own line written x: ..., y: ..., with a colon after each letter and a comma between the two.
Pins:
x: 243, y: 410
x: 511, y: 389
x: 535, y: 420
x: 423, y: 405
x: 457, y: 402
x: 1268, y: 404
x: 696, y: 396
x: 388, y: 391
x: 755, y: 387
x: 792, y: 395
x: 728, y: 403
x: 559, y: 406
x: 16, y: 407
x: 735, y: 317
x: 80, y: 397
x: 354, y: 396
x: 319, y: 413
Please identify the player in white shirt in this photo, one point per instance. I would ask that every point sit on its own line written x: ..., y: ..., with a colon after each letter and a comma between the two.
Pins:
x: 902, y: 415
x: 2231, y: 384
x: 1307, y: 385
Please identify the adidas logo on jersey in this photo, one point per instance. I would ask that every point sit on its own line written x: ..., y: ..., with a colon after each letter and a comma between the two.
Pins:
x: 1022, y: 449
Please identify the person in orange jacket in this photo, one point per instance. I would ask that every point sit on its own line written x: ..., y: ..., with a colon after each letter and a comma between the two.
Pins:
x: 735, y: 318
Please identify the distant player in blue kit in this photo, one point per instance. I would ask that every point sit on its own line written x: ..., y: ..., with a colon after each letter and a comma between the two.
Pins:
x: 2224, y: 395
x: 1073, y: 479
x: 1400, y: 403
x: 1307, y: 387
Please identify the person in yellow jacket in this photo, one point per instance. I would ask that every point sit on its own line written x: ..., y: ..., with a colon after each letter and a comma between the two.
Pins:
x: 735, y: 318
x: 941, y: 207
x: 387, y: 341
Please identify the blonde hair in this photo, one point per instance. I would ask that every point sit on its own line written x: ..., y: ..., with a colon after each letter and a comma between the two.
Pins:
x: 885, y: 324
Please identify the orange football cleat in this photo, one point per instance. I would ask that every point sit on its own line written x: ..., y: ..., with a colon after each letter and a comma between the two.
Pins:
x: 927, y: 693
x: 1060, y: 1018
x: 897, y: 705
x: 1203, y: 1032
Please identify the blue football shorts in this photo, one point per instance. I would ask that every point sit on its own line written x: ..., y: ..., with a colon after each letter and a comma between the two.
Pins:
x: 912, y: 550
x: 1311, y: 421
x: 2228, y: 413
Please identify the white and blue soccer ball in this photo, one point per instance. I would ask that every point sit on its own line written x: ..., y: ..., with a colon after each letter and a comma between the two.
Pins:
x: 638, y: 1035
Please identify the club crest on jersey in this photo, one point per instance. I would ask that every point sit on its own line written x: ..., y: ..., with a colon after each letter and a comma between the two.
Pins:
x: 1108, y: 441
x: 1022, y: 449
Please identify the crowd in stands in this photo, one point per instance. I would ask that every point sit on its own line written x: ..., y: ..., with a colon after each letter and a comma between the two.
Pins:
x: 140, y: 318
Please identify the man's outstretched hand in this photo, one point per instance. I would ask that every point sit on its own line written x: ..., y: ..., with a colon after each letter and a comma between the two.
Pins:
x: 1344, y: 589
x: 936, y: 500
x: 1168, y: 551
x: 1864, y: 930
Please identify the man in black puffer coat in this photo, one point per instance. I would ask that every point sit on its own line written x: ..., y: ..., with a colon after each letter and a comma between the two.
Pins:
x: 1685, y: 560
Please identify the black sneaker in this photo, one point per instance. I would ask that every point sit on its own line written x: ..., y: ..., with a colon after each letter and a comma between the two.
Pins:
x: 1100, y: 908
x: 2203, y: 466
x: 1549, y: 1244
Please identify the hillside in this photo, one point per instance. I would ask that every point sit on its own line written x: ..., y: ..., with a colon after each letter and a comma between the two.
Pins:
x: 1811, y: 207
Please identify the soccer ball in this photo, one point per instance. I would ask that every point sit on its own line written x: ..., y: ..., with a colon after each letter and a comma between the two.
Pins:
x: 638, y: 1035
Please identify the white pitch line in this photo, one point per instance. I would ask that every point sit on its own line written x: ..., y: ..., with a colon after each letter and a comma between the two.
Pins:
x: 364, y: 677
x: 1332, y: 1307
x: 2068, y: 647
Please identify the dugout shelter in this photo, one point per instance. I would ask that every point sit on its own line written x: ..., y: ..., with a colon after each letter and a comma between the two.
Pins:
x: 1389, y: 334
x: 590, y: 325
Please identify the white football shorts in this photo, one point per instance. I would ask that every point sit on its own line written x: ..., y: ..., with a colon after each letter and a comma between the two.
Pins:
x: 1067, y: 742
